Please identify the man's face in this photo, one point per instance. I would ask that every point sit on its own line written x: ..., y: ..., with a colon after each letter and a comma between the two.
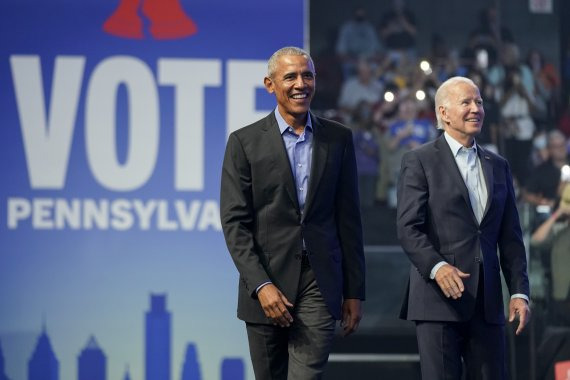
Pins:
x: 463, y: 114
x: 293, y: 83
x: 557, y: 149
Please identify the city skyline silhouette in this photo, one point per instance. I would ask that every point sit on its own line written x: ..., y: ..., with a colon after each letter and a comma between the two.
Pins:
x: 43, y: 363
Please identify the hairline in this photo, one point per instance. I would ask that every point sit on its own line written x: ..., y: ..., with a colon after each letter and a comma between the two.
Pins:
x: 288, y: 50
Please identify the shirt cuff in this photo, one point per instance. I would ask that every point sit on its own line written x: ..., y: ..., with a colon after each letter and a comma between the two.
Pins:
x: 520, y: 295
x: 436, y: 268
x: 261, y: 286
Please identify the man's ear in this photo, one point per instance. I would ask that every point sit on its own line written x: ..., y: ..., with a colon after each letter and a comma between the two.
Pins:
x: 268, y: 85
x: 443, y: 113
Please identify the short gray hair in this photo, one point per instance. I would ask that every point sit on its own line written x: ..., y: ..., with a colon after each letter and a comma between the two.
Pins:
x: 288, y: 50
x: 442, y: 95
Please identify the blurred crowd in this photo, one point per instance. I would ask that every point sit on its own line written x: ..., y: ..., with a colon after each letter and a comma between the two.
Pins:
x: 385, y: 94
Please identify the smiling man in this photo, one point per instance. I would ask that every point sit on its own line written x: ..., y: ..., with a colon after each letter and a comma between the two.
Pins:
x: 456, y: 205
x: 290, y: 214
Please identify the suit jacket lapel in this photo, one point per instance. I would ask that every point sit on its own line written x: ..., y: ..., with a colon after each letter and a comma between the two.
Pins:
x: 487, y: 165
x: 318, y: 161
x: 280, y: 159
x: 450, y: 166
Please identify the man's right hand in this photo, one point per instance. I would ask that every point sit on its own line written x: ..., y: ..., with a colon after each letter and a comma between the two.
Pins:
x: 449, y: 279
x: 275, y: 304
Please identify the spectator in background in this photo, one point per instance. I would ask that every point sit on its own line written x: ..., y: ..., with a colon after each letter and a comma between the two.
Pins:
x: 554, y: 234
x: 488, y: 36
x: 384, y: 115
x: 398, y: 31
x: 357, y: 39
x: 543, y: 184
x: 401, y: 74
x: 445, y: 61
x: 546, y: 85
x: 439, y: 52
x: 452, y: 67
x: 564, y: 119
x: 362, y: 88
x: 510, y: 62
x: 518, y: 126
x: 367, y: 151
x: 406, y: 133
x: 387, y: 111
x: 540, y: 152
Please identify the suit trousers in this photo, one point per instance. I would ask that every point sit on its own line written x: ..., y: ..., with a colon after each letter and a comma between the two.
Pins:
x: 301, y: 350
x: 480, y: 344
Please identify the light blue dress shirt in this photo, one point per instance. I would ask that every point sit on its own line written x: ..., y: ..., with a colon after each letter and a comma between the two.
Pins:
x: 299, y: 151
x: 477, y: 189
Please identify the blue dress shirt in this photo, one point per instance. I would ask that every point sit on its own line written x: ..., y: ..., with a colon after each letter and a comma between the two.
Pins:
x: 299, y: 151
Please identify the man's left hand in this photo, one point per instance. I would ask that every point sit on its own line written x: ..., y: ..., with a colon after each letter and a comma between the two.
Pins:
x: 351, y: 315
x: 519, y: 306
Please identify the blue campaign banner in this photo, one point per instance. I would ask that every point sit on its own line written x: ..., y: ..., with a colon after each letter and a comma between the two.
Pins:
x: 113, y: 121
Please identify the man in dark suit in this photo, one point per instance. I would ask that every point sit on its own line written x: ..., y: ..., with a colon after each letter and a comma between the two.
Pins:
x: 456, y: 205
x: 291, y: 220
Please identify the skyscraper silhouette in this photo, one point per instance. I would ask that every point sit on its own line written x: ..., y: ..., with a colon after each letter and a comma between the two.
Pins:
x: 157, y: 350
x: 233, y: 369
x: 2, y: 373
x: 191, y: 366
x: 43, y: 364
x: 91, y: 363
x: 127, y: 374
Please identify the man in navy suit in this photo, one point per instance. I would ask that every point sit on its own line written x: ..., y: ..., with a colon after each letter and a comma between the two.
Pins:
x: 456, y: 205
x: 291, y: 220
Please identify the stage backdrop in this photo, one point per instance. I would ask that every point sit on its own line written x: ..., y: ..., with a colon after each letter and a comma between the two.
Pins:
x: 113, y: 121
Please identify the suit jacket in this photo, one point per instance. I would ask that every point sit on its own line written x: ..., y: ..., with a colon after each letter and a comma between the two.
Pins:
x: 436, y: 223
x: 264, y: 228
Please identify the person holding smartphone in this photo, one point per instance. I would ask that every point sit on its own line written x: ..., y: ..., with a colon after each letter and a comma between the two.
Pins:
x: 554, y: 234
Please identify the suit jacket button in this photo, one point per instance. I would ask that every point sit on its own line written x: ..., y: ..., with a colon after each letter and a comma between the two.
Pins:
x: 477, y: 259
x: 479, y: 232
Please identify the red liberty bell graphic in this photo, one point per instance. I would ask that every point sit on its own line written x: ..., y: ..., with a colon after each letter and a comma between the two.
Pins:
x: 168, y: 20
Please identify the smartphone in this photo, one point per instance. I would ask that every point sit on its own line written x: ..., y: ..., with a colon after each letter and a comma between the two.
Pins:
x: 482, y: 58
x: 565, y: 173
